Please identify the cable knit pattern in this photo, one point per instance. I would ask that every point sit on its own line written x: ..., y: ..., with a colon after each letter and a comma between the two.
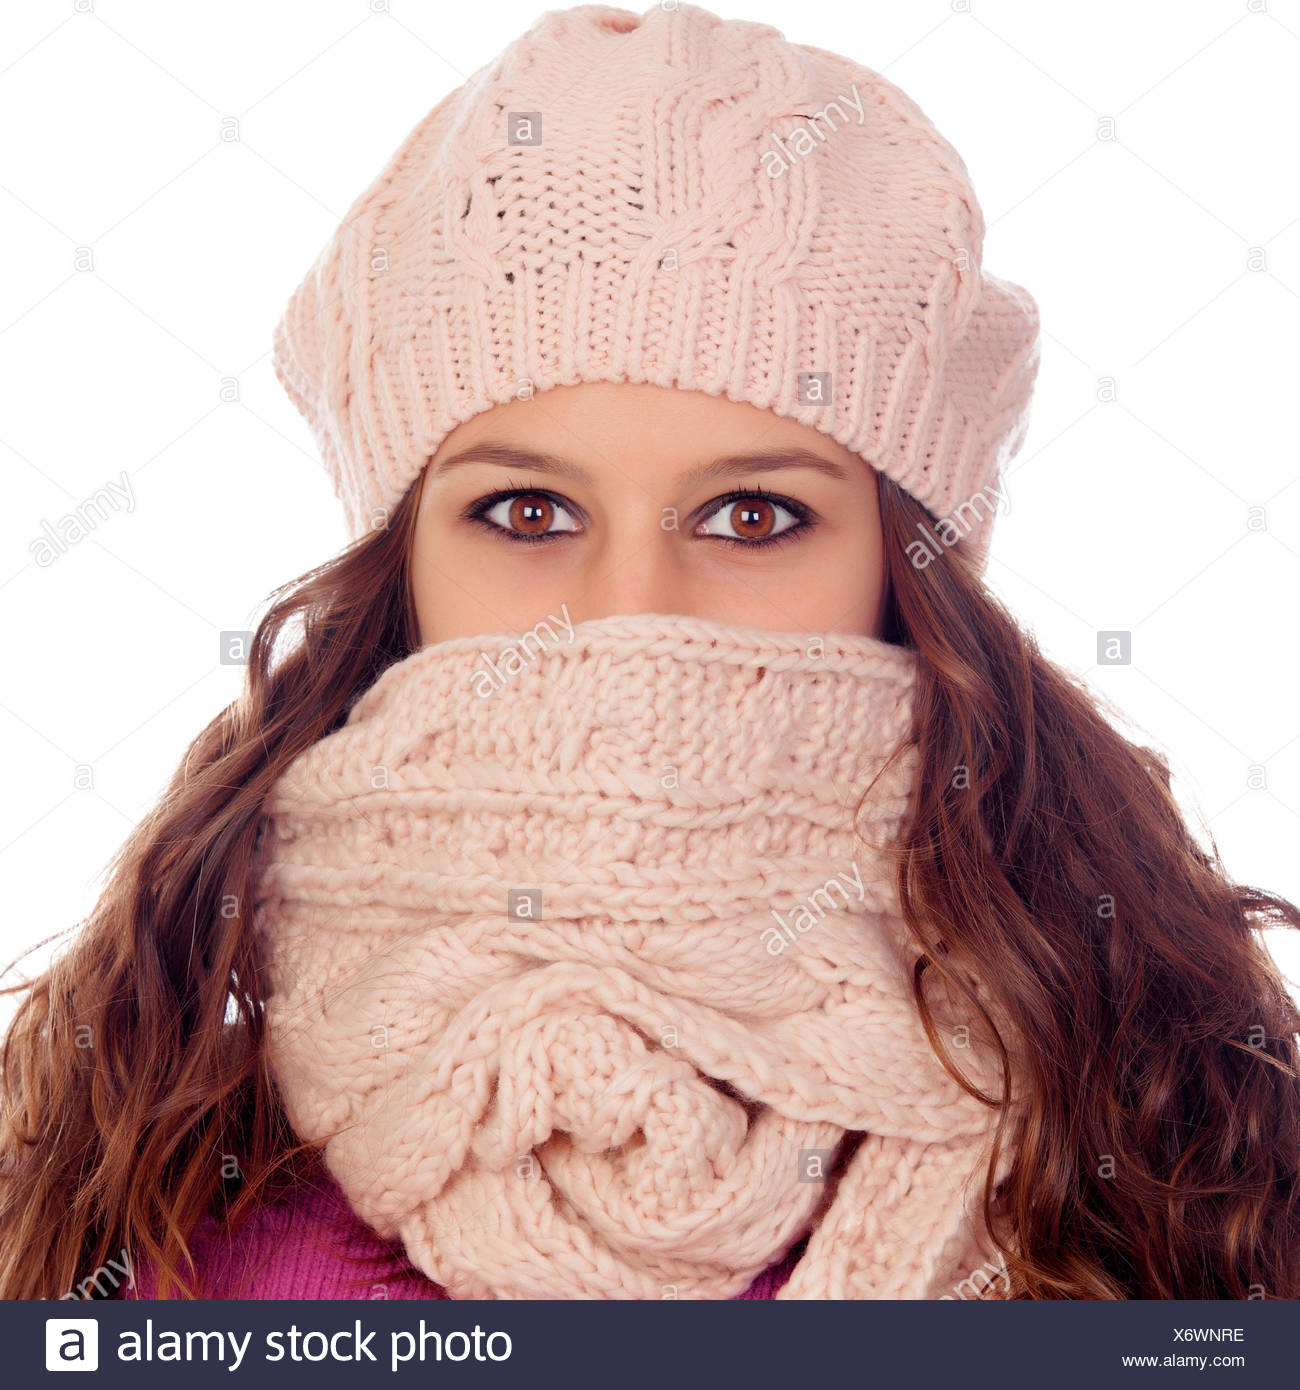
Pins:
x: 604, y: 1083
x: 311, y: 1245
x: 703, y: 205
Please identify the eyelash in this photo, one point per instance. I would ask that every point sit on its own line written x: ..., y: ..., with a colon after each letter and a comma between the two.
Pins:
x: 476, y: 513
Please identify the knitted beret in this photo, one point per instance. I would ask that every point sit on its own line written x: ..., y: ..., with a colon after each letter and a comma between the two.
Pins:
x: 677, y: 199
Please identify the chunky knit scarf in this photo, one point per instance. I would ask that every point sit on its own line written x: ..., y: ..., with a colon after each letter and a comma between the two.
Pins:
x: 587, y: 984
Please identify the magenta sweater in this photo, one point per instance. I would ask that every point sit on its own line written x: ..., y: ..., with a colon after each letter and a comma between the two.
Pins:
x: 314, y: 1246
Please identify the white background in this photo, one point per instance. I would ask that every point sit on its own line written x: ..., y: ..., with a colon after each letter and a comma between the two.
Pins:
x: 1137, y: 168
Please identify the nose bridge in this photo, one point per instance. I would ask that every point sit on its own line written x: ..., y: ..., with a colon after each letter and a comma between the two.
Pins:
x: 637, y: 571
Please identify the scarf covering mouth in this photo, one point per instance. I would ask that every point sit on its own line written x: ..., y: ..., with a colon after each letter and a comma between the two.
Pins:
x: 588, y: 985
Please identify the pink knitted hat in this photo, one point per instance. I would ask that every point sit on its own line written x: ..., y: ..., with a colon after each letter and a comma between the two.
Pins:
x: 677, y: 199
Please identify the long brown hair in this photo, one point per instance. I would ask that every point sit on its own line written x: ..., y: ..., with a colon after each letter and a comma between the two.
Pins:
x: 1045, y: 865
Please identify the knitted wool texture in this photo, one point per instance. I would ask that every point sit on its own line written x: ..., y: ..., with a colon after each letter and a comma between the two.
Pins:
x: 682, y: 200
x: 574, y: 941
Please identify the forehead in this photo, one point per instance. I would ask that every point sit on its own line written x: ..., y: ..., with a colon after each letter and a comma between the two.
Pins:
x: 584, y: 430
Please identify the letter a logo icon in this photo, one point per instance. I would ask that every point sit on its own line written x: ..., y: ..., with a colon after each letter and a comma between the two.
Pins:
x: 71, y: 1344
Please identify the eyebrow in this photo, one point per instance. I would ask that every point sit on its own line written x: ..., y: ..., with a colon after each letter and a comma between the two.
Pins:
x: 725, y: 466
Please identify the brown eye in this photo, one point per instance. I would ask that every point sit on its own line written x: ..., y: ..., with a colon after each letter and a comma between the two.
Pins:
x: 752, y: 519
x: 524, y: 516
x: 530, y: 514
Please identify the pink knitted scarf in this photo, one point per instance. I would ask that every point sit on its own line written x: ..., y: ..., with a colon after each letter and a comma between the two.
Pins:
x: 573, y: 943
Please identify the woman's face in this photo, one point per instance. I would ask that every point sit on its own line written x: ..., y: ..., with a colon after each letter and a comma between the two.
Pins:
x: 618, y: 498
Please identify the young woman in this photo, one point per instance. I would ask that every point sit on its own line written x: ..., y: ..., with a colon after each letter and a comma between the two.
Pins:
x: 648, y: 862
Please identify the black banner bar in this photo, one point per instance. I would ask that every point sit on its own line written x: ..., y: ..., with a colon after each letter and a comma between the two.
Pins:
x: 664, y: 1345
